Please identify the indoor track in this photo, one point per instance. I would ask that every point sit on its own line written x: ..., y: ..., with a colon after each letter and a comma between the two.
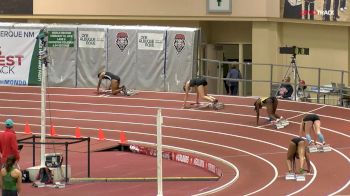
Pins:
x: 252, y: 158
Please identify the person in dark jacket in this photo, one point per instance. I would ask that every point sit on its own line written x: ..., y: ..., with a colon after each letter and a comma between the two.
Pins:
x: 233, y: 73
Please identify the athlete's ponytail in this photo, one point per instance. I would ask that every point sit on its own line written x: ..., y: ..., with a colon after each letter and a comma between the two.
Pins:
x: 10, y: 162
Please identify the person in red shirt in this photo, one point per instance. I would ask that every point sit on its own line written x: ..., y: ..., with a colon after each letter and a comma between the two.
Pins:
x: 8, y: 142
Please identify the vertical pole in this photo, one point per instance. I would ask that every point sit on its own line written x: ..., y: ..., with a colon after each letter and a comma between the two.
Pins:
x: 43, y: 113
x: 219, y: 80
x: 88, y: 157
x: 240, y: 67
x: 33, y: 137
x: 295, y: 81
x: 159, y: 153
x: 341, y: 89
x: 318, y: 85
x: 66, y: 175
x: 271, y: 80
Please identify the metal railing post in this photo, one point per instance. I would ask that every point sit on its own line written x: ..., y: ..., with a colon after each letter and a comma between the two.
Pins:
x: 271, y: 79
x: 318, y: 84
x: 219, y: 79
x: 341, y: 89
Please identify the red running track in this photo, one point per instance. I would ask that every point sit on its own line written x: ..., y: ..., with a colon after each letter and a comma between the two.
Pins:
x: 229, y: 138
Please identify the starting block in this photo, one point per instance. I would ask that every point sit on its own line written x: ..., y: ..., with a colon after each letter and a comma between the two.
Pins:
x: 54, y: 185
x: 290, y: 176
x: 284, y: 122
x: 319, y: 148
x: 216, y: 106
x: 128, y: 92
x: 280, y: 123
x: 296, y: 177
x: 211, y: 106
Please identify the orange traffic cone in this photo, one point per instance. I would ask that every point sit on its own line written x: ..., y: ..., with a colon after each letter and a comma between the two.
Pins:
x: 77, y: 132
x: 101, y: 135
x: 52, y: 130
x: 27, y: 129
x: 122, y: 138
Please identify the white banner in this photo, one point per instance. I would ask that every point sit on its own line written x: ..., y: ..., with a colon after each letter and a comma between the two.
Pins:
x: 16, y: 52
x: 91, y: 39
x: 150, y: 41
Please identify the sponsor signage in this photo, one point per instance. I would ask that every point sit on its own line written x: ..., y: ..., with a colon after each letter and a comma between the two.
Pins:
x: 150, y: 41
x: 91, y: 39
x: 178, y: 157
x: 61, y: 39
x: 19, y: 63
x: 327, y: 10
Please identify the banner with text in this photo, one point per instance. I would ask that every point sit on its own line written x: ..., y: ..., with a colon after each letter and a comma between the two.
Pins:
x: 181, y: 58
x: 326, y: 10
x: 91, y: 39
x: 61, y: 39
x: 19, y: 64
x: 63, y: 55
x: 150, y: 58
x: 150, y: 41
x: 91, y: 54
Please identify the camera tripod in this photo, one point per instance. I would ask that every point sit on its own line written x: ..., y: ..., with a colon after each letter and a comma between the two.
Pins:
x: 292, y: 69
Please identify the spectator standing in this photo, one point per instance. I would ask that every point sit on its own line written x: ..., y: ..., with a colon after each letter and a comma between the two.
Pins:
x: 309, y: 11
x: 8, y: 142
x: 235, y: 74
x: 343, y: 5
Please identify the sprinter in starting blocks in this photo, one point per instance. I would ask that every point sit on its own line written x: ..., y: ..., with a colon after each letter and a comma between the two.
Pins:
x: 319, y: 148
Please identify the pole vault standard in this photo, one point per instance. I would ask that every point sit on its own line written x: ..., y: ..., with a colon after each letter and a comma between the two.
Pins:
x: 159, y: 153
x: 43, y: 57
x: 43, y: 115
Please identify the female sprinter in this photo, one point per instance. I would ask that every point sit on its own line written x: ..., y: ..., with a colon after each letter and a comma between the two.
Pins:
x: 296, y: 149
x: 115, y: 82
x: 200, y: 85
x: 271, y: 104
x: 311, y: 123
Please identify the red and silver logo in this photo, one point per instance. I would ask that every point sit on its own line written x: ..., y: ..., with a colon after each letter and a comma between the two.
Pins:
x: 179, y: 42
x: 122, y: 40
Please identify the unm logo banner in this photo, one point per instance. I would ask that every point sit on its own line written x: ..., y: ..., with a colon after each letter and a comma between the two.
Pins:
x: 19, y: 63
x: 122, y: 40
x: 179, y: 42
